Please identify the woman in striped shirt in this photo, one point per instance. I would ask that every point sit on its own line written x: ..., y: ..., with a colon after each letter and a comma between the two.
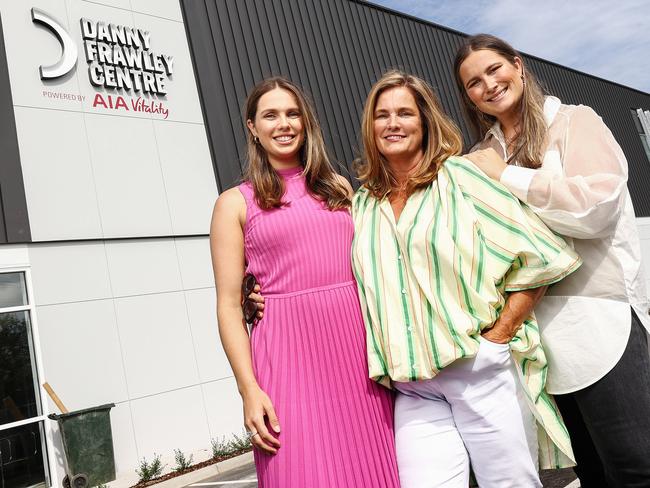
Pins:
x: 565, y: 164
x: 449, y: 266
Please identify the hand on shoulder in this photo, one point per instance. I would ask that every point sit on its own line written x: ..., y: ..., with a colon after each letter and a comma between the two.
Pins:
x: 488, y: 161
x: 344, y: 181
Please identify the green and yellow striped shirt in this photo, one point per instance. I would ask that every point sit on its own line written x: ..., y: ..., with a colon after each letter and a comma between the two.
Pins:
x: 430, y: 282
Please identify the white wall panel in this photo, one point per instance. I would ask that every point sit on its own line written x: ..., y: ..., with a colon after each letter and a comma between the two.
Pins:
x: 156, y: 343
x: 69, y: 272
x: 189, y: 177
x: 169, y: 9
x: 124, y: 442
x: 139, y: 267
x: 169, y: 37
x: 174, y: 420
x: 56, y: 454
x: 30, y: 45
x: 211, y: 359
x: 195, y: 262
x: 643, y: 224
x: 58, y: 177
x: 224, y: 408
x: 13, y: 255
x: 81, y: 353
x: 121, y: 4
x: 130, y: 188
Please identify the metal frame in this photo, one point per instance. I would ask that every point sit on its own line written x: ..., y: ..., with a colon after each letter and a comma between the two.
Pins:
x: 37, y: 367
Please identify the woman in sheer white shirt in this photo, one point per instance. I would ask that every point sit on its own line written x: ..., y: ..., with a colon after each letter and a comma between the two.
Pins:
x: 563, y: 161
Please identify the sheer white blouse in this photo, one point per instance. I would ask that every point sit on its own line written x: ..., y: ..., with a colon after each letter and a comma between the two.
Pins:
x: 580, y: 192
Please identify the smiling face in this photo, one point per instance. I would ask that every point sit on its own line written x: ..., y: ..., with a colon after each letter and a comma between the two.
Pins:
x: 493, y: 83
x: 398, y: 127
x: 279, y: 126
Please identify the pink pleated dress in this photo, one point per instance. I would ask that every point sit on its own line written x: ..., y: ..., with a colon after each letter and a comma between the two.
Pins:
x: 309, y: 350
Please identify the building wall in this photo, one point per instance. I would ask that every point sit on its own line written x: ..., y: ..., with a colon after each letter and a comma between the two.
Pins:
x: 133, y: 322
x: 119, y: 173
x: 336, y: 50
x: 643, y: 225
x: 119, y: 205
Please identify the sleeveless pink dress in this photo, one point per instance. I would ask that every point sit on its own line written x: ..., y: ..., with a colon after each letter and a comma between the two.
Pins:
x: 309, y: 350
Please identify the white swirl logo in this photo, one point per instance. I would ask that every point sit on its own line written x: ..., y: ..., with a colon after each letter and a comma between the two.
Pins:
x: 68, y: 47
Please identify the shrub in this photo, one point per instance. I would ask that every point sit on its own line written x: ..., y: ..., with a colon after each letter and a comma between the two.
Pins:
x: 240, y: 443
x: 147, y: 471
x: 220, y: 447
x: 182, y: 463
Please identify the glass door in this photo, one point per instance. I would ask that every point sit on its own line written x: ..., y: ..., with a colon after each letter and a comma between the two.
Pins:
x: 23, y: 455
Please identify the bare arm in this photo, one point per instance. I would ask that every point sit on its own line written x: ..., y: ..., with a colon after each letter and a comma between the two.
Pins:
x: 518, y: 307
x: 227, y: 248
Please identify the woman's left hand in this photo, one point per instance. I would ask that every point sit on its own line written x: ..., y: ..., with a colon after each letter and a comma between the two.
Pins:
x: 497, y: 336
x: 489, y: 161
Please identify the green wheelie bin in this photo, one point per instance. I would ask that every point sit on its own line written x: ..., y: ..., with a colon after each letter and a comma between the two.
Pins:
x: 87, y: 445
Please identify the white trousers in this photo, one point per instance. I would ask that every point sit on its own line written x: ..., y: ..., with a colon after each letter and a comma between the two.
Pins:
x: 473, y: 411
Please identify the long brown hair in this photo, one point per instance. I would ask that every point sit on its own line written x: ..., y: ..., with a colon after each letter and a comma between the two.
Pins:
x: 441, y: 138
x: 322, y: 181
x: 531, y: 138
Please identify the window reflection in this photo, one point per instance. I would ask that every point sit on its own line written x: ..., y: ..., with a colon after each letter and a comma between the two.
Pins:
x: 22, y: 462
x: 18, y: 397
x: 13, y: 292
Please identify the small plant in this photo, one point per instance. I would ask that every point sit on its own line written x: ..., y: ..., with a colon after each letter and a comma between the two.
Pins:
x: 182, y: 463
x: 148, y: 471
x: 220, y: 447
x: 240, y: 443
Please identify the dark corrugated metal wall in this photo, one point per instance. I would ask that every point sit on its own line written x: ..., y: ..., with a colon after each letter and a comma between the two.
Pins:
x: 336, y: 49
x: 14, y: 220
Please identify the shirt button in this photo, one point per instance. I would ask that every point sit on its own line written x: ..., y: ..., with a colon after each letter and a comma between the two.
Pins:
x: 404, y: 291
x: 399, y: 257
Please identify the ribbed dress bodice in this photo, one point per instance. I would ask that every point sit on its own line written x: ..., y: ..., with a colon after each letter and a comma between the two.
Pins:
x: 299, y: 246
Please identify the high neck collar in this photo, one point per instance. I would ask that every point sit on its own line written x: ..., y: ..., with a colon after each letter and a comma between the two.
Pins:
x: 289, y: 172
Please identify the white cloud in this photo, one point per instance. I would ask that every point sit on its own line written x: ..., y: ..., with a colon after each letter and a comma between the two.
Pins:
x: 609, y: 39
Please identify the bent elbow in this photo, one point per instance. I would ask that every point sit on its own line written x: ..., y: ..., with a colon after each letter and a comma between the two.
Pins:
x: 596, y: 223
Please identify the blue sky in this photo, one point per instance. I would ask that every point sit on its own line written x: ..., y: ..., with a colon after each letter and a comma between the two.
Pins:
x: 606, y: 38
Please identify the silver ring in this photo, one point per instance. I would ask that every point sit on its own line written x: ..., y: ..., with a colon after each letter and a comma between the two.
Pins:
x: 252, y: 434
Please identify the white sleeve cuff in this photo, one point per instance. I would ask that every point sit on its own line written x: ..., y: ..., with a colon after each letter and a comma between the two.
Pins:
x: 517, y: 180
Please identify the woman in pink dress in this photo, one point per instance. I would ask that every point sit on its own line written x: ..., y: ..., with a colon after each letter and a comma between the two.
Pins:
x: 314, y: 417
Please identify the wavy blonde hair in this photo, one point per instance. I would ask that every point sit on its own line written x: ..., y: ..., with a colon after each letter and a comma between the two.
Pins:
x: 531, y: 139
x: 322, y: 181
x: 441, y: 137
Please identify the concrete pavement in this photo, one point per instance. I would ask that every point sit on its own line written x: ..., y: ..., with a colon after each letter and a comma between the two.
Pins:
x: 244, y: 477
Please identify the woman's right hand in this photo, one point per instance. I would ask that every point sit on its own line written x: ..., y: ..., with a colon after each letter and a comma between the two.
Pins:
x: 258, y: 408
x: 489, y: 161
